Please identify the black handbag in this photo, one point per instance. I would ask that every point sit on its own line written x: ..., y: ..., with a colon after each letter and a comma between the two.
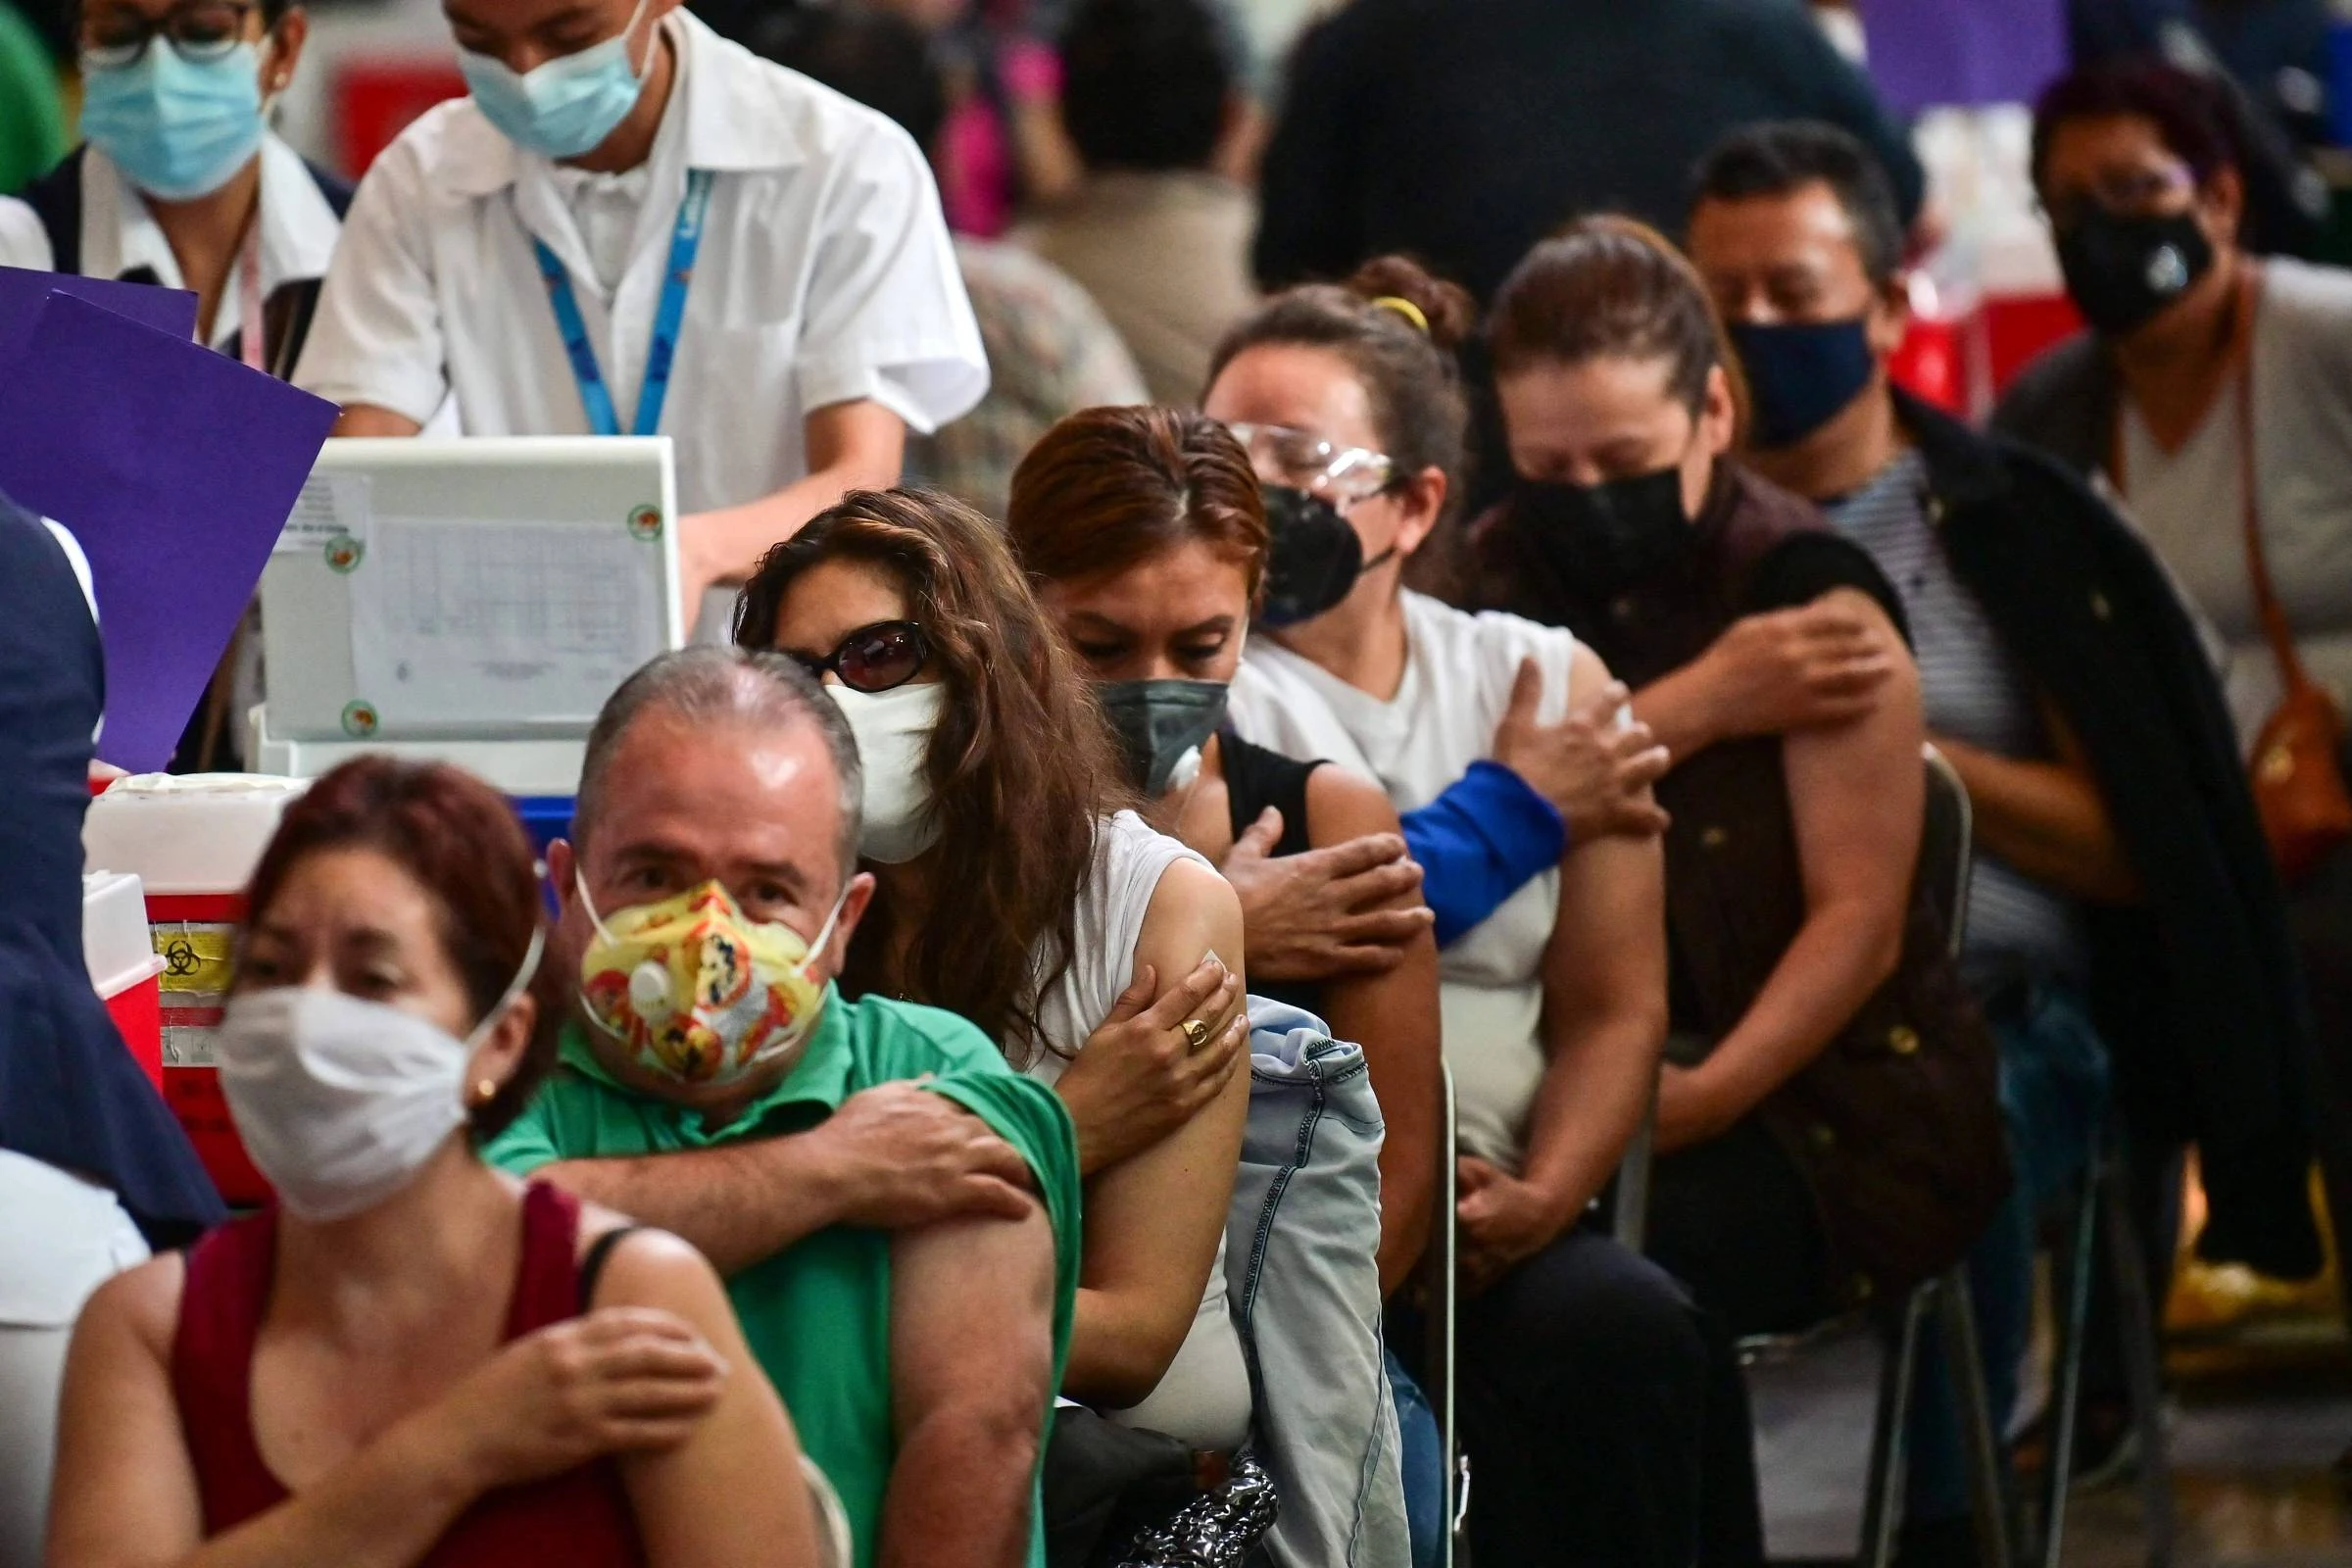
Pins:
x: 1121, y: 1496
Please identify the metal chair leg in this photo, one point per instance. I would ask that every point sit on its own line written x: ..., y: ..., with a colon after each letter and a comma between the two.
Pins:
x: 2141, y: 1371
x: 1883, y: 1490
x: 2072, y: 1328
x: 1989, y: 1496
x: 1457, y: 1525
x: 1629, y: 1224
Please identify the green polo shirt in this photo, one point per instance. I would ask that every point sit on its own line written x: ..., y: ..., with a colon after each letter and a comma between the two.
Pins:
x: 818, y: 1314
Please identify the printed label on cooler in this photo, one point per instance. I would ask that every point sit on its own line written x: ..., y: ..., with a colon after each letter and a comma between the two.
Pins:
x: 198, y: 955
x: 188, y: 1035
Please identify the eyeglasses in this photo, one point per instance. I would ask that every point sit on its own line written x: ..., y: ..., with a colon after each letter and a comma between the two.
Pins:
x: 199, y: 29
x: 2126, y: 192
x: 876, y: 658
x: 1286, y: 455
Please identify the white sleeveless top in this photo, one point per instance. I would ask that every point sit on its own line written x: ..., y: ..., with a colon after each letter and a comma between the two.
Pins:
x: 1204, y: 1400
x: 1458, y: 674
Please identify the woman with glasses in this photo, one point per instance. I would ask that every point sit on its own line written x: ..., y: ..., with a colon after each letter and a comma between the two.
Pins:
x: 1584, y: 1378
x: 179, y: 180
x: 409, y: 1357
x: 1016, y: 890
x: 2214, y: 392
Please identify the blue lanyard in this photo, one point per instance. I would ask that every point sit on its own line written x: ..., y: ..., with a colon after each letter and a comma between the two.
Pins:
x: 597, y: 397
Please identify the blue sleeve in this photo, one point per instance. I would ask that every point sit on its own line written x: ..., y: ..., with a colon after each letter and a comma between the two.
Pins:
x: 1481, y: 842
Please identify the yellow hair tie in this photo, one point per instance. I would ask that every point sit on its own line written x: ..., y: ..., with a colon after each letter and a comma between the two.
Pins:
x: 1405, y: 308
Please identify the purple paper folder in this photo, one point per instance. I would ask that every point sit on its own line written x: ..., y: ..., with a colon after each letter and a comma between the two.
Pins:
x: 23, y: 293
x: 175, y: 468
x: 1965, y: 52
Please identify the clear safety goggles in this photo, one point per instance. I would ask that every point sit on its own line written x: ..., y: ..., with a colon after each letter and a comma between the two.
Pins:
x: 1283, y: 454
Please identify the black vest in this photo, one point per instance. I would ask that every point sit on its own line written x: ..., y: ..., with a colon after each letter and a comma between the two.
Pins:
x: 1896, y: 1123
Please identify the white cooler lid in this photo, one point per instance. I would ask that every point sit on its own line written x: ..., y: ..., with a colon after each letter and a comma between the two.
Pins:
x: 193, y: 833
x: 115, y: 940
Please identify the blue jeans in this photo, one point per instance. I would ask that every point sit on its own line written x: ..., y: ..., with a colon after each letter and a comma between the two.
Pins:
x: 1424, y: 1464
x: 2055, y: 1092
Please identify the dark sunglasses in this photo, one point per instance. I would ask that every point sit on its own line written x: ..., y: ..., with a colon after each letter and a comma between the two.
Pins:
x: 876, y: 658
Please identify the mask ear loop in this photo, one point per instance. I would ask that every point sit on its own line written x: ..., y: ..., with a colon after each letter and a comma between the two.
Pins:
x: 514, y: 987
x: 579, y: 882
x: 635, y: 17
x: 825, y: 933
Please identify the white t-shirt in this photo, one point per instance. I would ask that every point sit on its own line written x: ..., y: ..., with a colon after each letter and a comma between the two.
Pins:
x: 824, y: 275
x: 2190, y: 502
x: 1458, y: 672
x: 1204, y: 1400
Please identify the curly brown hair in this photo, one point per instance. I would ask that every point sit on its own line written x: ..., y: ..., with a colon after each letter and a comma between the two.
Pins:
x: 1022, y: 768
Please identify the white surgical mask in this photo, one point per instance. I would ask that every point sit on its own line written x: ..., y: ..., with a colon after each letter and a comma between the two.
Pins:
x: 341, y: 1101
x: 893, y: 741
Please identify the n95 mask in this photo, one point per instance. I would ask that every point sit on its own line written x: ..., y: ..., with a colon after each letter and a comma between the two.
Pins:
x: 695, y: 991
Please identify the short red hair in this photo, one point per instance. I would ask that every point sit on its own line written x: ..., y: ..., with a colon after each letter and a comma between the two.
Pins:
x: 462, y: 841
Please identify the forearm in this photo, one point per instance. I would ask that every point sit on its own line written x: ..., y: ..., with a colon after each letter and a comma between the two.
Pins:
x: 366, y: 419
x: 738, y: 1206
x: 385, y: 1508
x: 1680, y: 709
x: 1394, y: 1017
x: 2047, y: 821
x: 959, y: 1493
x: 1593, y: 1097
x: 1840, y: 956
x: 731, y: 539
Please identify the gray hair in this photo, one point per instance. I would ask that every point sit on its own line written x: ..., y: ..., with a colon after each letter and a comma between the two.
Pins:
x: 711, y: 685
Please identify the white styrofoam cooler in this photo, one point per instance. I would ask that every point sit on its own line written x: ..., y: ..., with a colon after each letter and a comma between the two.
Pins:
x: 198, y: 833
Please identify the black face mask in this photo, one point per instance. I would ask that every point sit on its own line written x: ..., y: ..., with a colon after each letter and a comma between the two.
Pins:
x: 1158, y: 721
x: 2122, y: 273
x: 1314, y: 559
x: 1606, y: 536
x: 1801, y: 374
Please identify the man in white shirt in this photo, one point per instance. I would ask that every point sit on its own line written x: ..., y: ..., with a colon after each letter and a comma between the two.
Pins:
x: 634, y: 226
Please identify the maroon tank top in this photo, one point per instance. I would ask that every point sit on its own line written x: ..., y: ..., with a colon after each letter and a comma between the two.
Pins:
x: 580, y: 1518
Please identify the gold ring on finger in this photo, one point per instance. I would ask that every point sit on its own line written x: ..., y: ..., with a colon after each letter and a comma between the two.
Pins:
x: 1195, y: 1033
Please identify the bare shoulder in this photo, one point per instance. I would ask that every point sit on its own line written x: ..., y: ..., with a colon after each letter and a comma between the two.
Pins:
x: 138, y: 1307
x: 1188, y: 892
x: 1588, y: 673
x: 645, y: 1266
x: 1342, y: 805
x: 1848, y: 598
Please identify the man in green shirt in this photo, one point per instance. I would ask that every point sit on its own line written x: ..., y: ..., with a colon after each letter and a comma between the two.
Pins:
x: 896, y: 1210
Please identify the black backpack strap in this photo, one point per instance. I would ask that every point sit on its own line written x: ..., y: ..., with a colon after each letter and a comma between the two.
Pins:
x: 592, y: 1266
x: 56, y: 200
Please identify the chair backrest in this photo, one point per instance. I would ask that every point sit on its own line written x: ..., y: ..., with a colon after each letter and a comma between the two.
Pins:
x: 1946, y: 843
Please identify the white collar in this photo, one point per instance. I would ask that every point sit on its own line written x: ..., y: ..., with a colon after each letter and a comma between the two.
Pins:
x: 739, y: 116
x: 298, y: 228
